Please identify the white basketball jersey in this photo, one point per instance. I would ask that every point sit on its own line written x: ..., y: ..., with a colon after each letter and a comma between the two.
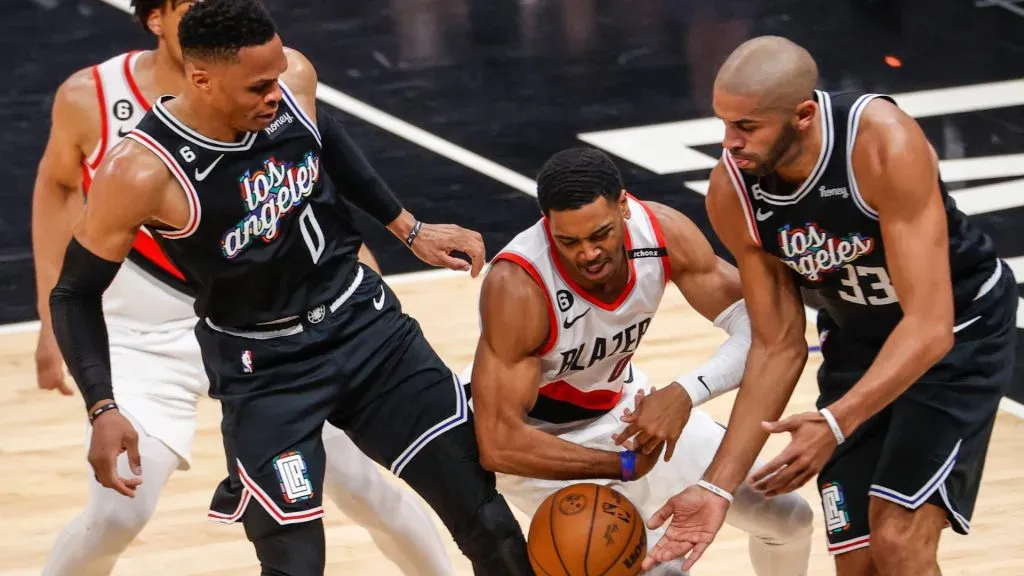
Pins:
x: 146, y: 292
x: 587, y: 358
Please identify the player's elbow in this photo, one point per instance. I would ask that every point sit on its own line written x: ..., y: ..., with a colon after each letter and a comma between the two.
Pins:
x: 937, y: 338
x: 495, y: 440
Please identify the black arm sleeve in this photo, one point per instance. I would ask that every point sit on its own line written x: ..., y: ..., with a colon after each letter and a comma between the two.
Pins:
x: 351, y: 172
x: 76, y: 305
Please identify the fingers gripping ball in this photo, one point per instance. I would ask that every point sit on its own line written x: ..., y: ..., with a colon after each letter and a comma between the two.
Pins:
x: 587, y: 530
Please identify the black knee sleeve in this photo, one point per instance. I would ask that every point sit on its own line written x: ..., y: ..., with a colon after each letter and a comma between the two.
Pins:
x: 494, y: 541
x: 286, y: 550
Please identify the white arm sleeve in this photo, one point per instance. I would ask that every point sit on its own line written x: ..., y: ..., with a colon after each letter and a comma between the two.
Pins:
x: 723, y: 371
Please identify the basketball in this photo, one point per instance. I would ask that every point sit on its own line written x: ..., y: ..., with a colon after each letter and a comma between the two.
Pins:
x: 587, y: 529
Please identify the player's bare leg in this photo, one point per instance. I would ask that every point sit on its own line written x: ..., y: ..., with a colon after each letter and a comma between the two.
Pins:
x: 856, y: 563
x: 905, y: 542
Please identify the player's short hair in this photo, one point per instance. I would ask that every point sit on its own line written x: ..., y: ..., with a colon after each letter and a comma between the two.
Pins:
x: 218, y: 29
x: 576, y: 177
x: 141, y: 9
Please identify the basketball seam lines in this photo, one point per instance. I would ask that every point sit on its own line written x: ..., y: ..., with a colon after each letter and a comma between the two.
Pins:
x: 554, y: 542
x: 590, y: 536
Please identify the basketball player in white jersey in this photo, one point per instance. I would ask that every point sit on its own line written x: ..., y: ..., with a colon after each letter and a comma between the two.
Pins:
x: 563, y: 309
x: 157, y: 367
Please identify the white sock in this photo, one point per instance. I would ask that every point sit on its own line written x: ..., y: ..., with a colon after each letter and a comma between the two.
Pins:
x: 92, y: 542
x: 396, y: 520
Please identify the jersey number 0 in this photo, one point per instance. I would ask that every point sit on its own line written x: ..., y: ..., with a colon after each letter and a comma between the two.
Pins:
x: 311, y: 233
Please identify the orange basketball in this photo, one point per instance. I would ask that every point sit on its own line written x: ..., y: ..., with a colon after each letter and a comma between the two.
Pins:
x: 587, y: 530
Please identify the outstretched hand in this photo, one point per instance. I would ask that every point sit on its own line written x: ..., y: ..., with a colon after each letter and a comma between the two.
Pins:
x: 809, y: 449
x: 435, y: 242
x: 697, y: 516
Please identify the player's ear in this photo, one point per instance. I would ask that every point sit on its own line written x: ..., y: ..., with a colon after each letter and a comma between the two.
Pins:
x: 805, y: 112
x: 155, y: 23
x: 199, y: 77
x: 623, y: 204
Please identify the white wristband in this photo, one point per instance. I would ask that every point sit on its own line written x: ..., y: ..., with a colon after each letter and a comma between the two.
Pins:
x: 836, y: 430
x: 714, y: 489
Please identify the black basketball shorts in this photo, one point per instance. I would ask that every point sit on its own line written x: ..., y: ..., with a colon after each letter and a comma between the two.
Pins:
x: 357, y: 362
x: 929, y: 445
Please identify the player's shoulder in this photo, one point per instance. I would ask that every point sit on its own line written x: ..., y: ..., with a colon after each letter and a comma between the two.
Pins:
x: 885, y: 135
x: 301, y: 75
x: 721, y: 193
x: 80, y: 92
x: 134, y: 164
x: 514, y: 308
x: 511, y: 284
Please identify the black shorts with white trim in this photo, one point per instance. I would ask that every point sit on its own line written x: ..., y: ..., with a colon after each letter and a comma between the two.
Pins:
x: 929, y: 445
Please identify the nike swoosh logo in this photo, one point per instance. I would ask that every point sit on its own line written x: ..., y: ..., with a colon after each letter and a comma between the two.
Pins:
x: 378, y: 304
x: 965, y: 324
x: 706, y: 387
x: 121, y: 132
x: 566, y: 323
x: 200, y: 176
x: 762, y: 216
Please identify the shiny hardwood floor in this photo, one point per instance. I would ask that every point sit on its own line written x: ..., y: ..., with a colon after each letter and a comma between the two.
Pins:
x: 43, y: 468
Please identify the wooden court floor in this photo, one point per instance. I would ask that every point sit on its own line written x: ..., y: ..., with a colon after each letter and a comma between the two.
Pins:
x: 43, y: 468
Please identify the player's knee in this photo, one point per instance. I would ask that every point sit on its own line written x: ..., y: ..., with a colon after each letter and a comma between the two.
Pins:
x: 120, y: 523
x: 289, y: 549
x: 493, y: 539
x: 787, y: 518
x: 901, y: 539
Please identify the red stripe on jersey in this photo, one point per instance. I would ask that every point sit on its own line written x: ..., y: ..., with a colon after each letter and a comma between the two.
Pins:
x: 626, y: 291
x: 552, y: 318
x: 658, y: 237
x: 147, y: 246
x: 594, y: 400
x: 130, y: 78
x: 103, y: 117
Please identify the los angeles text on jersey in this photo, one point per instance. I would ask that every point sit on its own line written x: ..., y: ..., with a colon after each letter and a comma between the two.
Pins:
x: 624, y: 342
x: 269, y: 195
x: 812, y: 251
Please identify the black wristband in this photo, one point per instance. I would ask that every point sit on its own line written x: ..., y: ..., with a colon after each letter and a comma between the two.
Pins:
x: 415, y: 232
x: 104, y: 408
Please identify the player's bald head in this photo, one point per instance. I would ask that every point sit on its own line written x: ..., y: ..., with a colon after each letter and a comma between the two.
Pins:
x: 772, y: 70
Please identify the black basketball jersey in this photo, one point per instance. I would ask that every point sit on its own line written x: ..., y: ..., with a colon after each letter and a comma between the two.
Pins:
x: 268, y: 237
x: 831, y: 239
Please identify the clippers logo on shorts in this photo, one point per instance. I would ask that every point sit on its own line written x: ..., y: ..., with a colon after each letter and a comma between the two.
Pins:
x: 837, y: 519
x: 269, y: 195
x: 293, y: 477
x: 812, y: 251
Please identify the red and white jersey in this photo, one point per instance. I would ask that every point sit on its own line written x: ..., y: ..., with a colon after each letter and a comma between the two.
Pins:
x: 586, y: 359
x: 149, y: 291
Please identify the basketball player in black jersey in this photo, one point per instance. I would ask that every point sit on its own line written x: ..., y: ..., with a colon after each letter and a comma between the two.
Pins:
x: 235, y: 179
x: 838, y: 196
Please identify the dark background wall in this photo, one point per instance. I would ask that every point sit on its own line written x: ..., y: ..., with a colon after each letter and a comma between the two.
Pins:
x: 516, y: 81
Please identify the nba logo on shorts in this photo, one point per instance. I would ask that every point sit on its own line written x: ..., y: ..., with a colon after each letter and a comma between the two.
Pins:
x: 292, y: 476
x: 247, y: 361
x: 837, y: 518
